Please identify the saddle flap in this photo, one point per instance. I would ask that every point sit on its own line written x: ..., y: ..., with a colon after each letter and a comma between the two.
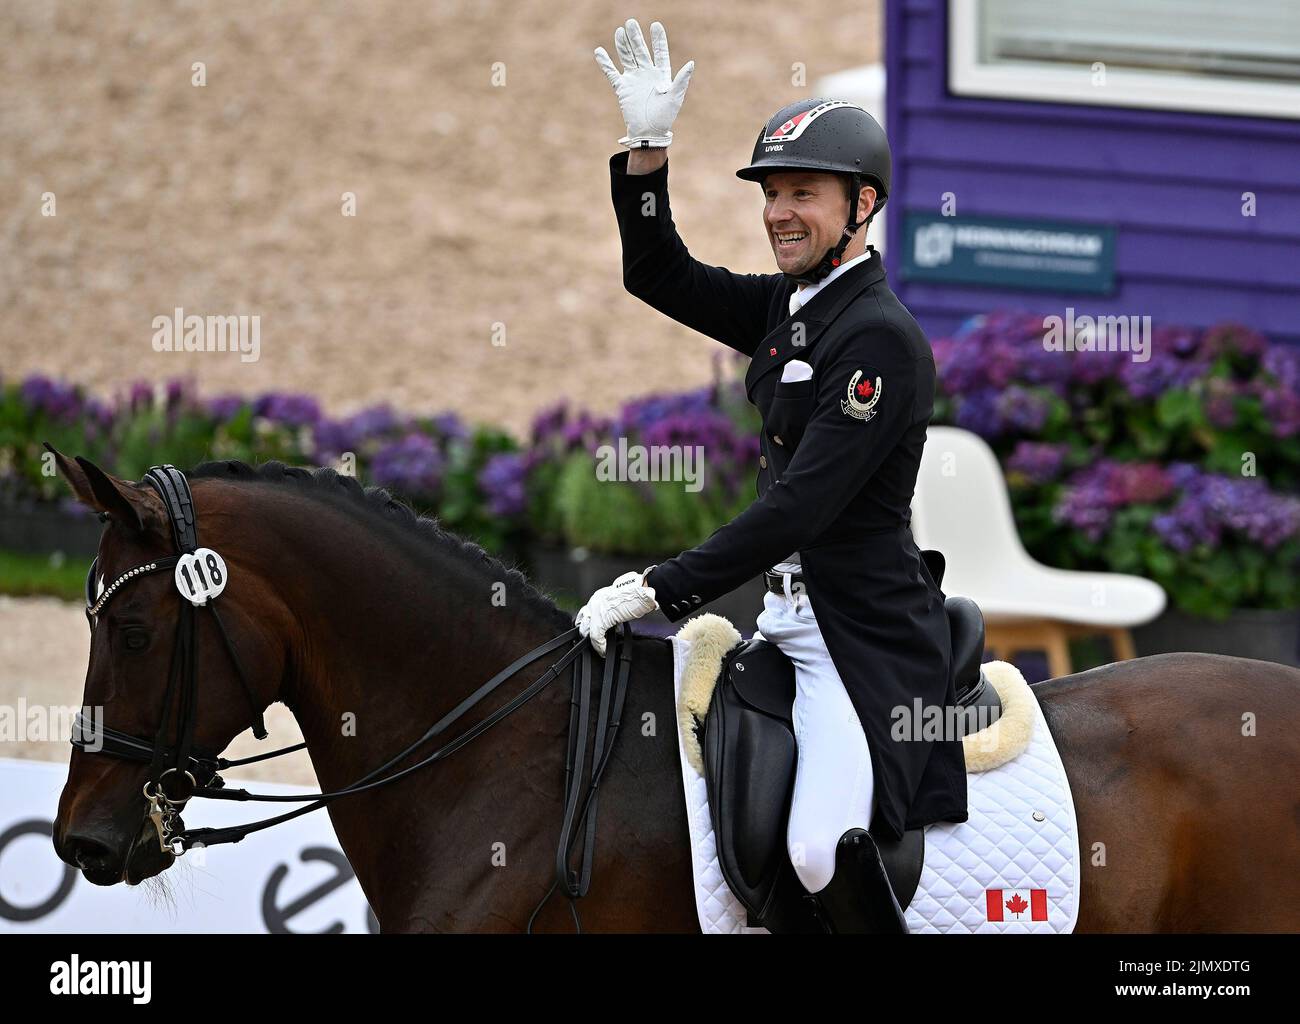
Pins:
x: 763, y: 678
x: 749, y: 763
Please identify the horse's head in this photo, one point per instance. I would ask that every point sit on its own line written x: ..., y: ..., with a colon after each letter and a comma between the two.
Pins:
x: 103, y: 825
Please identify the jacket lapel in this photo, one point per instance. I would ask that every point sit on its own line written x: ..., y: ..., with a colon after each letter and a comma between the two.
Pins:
x: 810, y: 322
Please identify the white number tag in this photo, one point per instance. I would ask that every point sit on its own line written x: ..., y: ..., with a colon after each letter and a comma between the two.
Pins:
x: 200, y: 576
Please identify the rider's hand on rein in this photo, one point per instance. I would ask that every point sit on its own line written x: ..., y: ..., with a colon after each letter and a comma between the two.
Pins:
x: 622, y: 601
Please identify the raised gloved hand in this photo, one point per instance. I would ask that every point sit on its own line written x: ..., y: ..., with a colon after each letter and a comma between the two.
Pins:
x: 622, y: 601
x: 647, y: 92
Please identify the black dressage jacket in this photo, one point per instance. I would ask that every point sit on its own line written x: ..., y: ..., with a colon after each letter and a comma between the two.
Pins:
x: 840, y: 454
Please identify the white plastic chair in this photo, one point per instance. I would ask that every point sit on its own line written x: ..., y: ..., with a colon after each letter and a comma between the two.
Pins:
x: 962, y: 508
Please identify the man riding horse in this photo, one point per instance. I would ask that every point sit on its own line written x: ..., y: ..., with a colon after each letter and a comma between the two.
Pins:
x: 844, y: 378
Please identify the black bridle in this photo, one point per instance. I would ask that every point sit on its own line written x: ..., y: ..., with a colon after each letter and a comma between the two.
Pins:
x: 180, y: 770
x: 177, y: 769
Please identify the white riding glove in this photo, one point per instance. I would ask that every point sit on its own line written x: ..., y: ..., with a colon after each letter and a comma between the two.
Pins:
x: 647, y: 92
x: 622, y: 601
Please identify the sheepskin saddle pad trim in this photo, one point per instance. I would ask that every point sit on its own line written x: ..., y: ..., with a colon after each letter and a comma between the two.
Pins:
x: 711, y: 636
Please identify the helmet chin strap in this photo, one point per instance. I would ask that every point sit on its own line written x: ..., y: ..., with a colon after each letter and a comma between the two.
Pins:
x: 834, y: 255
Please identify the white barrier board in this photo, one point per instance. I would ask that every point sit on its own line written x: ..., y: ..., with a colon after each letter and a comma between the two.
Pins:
x: 292, y: 878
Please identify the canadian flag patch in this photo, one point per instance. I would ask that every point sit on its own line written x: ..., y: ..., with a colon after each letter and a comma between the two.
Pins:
x: 1016, y: 904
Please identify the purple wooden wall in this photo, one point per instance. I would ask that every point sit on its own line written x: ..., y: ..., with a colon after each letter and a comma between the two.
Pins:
x: 1170, y: 182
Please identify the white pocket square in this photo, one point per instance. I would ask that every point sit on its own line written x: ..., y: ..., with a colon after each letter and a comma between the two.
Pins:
x: 796, y: 369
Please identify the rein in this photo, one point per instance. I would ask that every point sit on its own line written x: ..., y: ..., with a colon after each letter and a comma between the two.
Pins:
x: 194, y: 772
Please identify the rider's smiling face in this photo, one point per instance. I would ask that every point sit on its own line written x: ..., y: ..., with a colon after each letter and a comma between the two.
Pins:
x: 805, y: 212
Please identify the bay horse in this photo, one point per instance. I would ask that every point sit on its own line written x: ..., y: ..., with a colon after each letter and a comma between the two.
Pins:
x: 345, y: 603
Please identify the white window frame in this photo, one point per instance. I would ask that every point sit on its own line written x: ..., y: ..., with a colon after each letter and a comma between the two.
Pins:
x: 1050, y: 83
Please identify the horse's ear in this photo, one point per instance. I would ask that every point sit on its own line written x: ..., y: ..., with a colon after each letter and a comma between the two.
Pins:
x: 74, y: 475
x: 127, y: 504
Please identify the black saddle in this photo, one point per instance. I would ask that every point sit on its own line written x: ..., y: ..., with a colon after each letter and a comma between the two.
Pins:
x: 749, y: 766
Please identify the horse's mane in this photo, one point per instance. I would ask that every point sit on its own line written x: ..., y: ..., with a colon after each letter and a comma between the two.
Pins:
x: 381, y: 509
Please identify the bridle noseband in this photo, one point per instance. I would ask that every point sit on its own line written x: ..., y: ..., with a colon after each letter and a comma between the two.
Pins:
x: 179, y: 770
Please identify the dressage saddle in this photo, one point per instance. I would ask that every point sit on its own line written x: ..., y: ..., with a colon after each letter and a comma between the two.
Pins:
x: 749, y: 753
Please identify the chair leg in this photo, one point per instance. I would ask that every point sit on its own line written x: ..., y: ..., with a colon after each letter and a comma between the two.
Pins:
x: 1007, y: 640
x: 1048, y: 637
x: 1057, y: 646
x: 1122, y: 642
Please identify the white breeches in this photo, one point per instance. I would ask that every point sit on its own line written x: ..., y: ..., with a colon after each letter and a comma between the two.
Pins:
x: 834, y: 783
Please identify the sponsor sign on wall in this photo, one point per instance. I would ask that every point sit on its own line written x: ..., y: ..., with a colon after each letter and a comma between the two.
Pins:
x: 1001, y: 252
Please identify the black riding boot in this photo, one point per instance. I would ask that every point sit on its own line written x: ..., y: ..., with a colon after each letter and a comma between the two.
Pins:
x: 858, y: 900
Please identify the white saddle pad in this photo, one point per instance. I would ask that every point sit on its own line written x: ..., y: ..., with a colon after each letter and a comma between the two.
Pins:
x: 1003, y: 870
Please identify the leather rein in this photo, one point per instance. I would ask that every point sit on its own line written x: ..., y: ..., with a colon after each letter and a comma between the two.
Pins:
x: 180, y: 771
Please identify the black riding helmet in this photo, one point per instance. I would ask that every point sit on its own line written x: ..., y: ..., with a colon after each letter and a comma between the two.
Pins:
x: 825, y: 135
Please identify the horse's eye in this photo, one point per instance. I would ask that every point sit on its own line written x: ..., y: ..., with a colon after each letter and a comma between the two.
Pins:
x: 135, y: 638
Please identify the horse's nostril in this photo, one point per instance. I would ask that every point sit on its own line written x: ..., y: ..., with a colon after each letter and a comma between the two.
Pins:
x: 89, y: 854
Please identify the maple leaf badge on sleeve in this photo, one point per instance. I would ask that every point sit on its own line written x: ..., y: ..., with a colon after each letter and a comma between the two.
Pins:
x: 864, y: 391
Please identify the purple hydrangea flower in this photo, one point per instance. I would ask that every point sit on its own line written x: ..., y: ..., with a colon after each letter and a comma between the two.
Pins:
x: 503, y: 479
x: 727, y: 454
x: 412, y: 466
x: 1173, y: 340
x: 548, y: 424
x: 289, y: 410
x: 179, y: 393
x: 1182, y: 474
x: 449, y: 425
x: 1282, y: 408
x: 1092, y: 368
x: 1162, y: 372
x: 98, y: 418
x: 1283, y: 362
x: 1097, y: 492
x: 1022, y: 409
x: 332, y: 437
x: 977, y: 411
x: 1221, y: 403
x: 1212, y: 504
x: 644, y: 412
x: 225, y: 408
x: 586, y: 431
x: 1036, y: 462
x: 1233, y: 339
x: 1281, y: 399
x: 56, y: 399
x: 140, y: 396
